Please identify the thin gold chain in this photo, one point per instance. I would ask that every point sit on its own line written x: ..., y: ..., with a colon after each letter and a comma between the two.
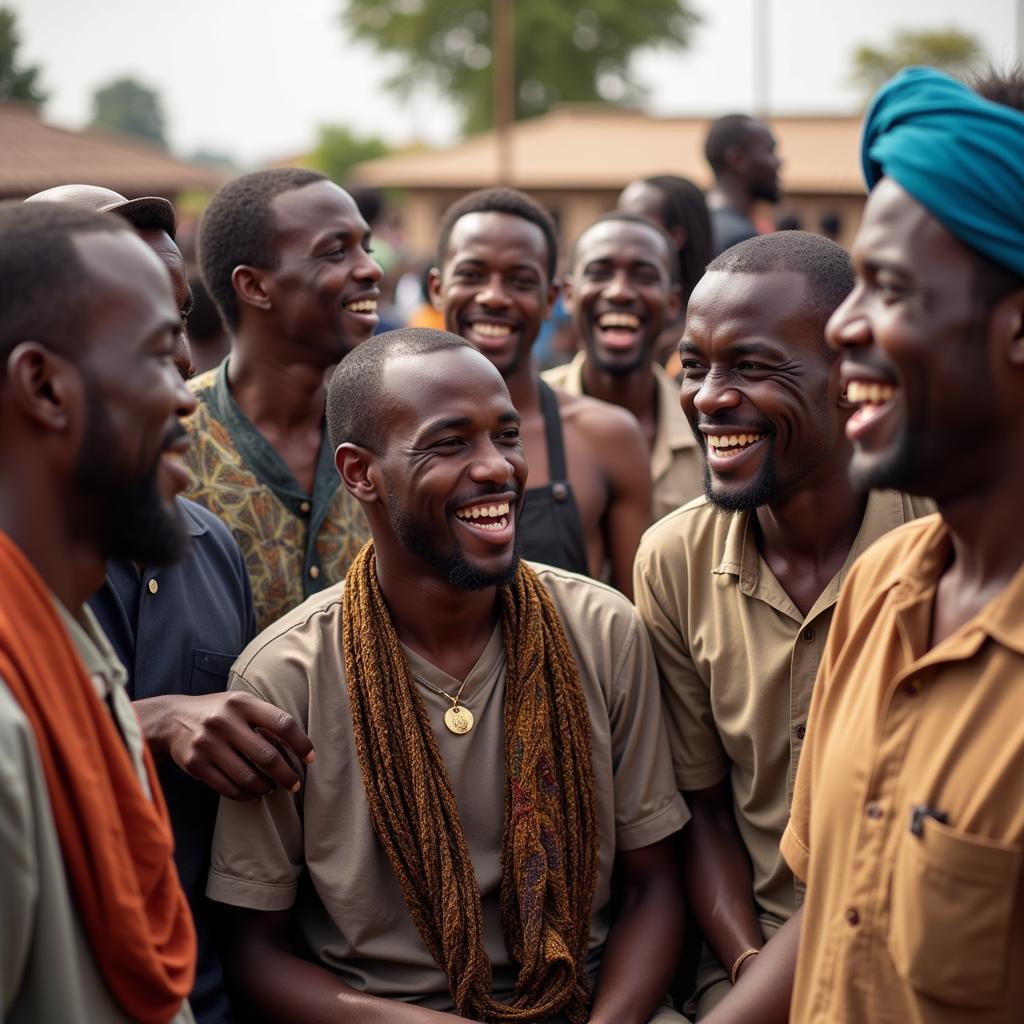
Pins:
x: 443, y: 693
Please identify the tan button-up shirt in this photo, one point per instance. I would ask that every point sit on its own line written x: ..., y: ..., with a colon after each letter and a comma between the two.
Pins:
x: 677, y: 466
x: 737, y: 662
x: 908, y: 814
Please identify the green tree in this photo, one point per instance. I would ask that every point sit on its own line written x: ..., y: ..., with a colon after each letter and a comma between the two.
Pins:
x: 16, y: 82
x: 949, y: 50
x: 567, y: 51
x: 129, y: 107
x: 338, y: 150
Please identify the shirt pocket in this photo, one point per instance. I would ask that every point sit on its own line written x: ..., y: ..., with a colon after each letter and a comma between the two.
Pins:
x: 953, y: 897
x: 209, y: 672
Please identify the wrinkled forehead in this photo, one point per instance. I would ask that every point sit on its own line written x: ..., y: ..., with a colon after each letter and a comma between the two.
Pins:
x: 728, y: 304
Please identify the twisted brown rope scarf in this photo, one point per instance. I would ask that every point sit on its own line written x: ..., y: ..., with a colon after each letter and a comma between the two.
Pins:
x: 549, y: 847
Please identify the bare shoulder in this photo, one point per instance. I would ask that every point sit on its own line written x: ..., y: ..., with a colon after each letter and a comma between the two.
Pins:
x: 602, y: 422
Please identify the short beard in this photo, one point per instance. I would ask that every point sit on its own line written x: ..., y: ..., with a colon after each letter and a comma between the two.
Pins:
x: 622, y: 370
x: 762, y: 490
x: 134, y: 522
x: 452, y: 567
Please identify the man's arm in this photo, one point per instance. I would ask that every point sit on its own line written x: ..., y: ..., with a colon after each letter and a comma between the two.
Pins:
x: 234, y: 742
x: 717, y: 873
x: 627, y: 468
x: 275, y: 985
x: 763, y: 993
x: 643, y: 946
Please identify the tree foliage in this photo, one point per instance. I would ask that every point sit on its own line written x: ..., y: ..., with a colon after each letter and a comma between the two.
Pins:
x: 129, y: 107
x: 338, y: 150
x: 949, y: 50
x: 16, y: 82
x: 565, y: 50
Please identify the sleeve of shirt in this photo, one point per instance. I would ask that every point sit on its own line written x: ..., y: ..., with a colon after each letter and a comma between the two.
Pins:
x: 698, y: 757
x: 19, y: 882
x: 648, y: 807
x: 258, y: 850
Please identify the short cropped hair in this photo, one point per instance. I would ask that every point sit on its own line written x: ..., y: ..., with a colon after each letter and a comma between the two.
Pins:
x: 671, y: 261
x: 825, y: 266
x: 238, y: 228
x: 500, y: 200
x: 726, y: 132
x: 47, y: 295
x: 354, y: 398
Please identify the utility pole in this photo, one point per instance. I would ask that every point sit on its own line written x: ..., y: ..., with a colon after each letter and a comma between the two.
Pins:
x: 762, y: 62
x: 504, y: 98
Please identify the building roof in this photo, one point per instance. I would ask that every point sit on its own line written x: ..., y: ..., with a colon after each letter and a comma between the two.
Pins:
x: 37, y: 156
x: 591, y: 146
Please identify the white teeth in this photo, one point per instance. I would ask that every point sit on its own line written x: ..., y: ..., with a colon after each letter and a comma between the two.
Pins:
x: 363, y: 306
x: 492, y: 330
x: 486, y: 511
x: 869, y: 392
x: 732, y: 440
x: 618, y: 320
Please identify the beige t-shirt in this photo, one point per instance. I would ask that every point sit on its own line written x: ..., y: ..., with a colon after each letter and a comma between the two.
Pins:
x: 317, y: 851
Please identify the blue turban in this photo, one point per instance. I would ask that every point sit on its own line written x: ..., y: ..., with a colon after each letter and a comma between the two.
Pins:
x: 960, y: 156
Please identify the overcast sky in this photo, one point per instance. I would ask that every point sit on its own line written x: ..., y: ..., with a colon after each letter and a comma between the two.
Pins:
x: 254, y: 78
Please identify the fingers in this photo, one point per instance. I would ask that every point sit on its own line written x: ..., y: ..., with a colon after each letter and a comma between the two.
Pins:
x: 281, y: 726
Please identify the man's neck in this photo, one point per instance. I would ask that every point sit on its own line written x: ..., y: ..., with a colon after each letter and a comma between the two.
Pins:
x: 523, y: 385
x: 277, y: 396
x: 71, y: 567
x: 806, y: 538
x: 730, y: 194
x: 636, y: 391
x: 446, y: 625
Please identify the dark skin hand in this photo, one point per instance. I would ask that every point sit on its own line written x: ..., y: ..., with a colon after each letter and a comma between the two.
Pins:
x: 763, y: 993
x: 719, y: 883
x: 234, y: 742
x: 644, y: 944
x: 276, y: 985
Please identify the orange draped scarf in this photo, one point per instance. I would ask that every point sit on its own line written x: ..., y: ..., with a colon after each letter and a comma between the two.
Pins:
x: 116, y: 843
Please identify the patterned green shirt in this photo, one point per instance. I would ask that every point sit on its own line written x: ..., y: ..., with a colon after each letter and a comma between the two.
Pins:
x: 294, y: 544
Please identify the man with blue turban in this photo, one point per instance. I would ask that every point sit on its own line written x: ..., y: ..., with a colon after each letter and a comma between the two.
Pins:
x: 908, y: 809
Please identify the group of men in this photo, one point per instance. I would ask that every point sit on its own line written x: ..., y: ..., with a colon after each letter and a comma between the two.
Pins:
x: 459, y: 774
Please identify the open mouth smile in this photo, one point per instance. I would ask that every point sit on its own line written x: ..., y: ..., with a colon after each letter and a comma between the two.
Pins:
x: 873, y: 399
x: 728, y: 446
x: 493, y: 516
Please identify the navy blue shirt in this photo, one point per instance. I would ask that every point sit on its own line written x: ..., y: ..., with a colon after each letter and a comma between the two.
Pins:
x: 177, y: 631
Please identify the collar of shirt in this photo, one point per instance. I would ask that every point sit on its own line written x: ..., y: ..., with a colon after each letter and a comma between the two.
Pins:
x: 999, y: 619
x: 740, y: 557
x: 264, y: 461
x: 98, y: 657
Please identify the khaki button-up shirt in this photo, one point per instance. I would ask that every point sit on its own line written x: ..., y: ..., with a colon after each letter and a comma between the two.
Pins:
x: 737, y: 662
x: 908, y: 814
x: 677, y: 466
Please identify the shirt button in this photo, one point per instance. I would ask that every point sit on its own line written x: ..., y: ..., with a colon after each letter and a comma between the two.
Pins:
x: 913, y: 687
x: 153, y: 586
x: 304, y: 507
x: 559, y: 492
x: 807, y: 635
x: 852, y: 917
x: 801, y: 731
x: 314, y: 571
x: 874, y: 810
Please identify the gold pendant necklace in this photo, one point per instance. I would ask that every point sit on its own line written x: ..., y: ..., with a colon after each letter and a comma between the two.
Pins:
x: 457, y: 719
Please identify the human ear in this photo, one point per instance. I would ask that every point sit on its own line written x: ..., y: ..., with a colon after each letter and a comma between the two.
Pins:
x: 44, y: 385
x: 674, y: 305
x: 1014, y: 326
x: 568, y: 299
x: 434, y: 289
x: 250, y: 288
x: 355, y: 466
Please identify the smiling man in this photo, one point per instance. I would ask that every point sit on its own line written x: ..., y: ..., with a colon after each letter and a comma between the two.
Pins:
x: 489, y: 737
x: 285, y: 255
x: 93, y: 923
x: 908, y: 811
x: 738, y: 589
x: 495, y: 283
x: 622, y: 292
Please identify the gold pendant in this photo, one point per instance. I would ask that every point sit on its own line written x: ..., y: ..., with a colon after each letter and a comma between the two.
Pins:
x: 458, y: 719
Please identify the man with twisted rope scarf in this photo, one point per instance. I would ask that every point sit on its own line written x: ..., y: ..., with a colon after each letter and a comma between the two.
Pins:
x: 488, y: 744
